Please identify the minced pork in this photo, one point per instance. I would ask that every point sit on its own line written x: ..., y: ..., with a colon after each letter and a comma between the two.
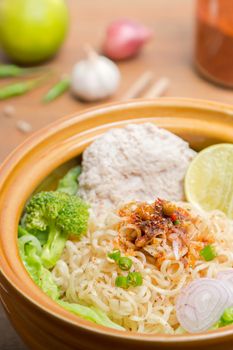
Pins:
x: 138, y: 162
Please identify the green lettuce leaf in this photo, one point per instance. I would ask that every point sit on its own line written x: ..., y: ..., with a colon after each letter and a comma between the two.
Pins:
x: 30, y: 251
x: 106, y: 320
x: 41, y: 236
x: 69, y: 183
x: 90, y: 313
x: 30, y: 248
x: 47, y: 284
x: 22, y: 231
x: 226, y: 319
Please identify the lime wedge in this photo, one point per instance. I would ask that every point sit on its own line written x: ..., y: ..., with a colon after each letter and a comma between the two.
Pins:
x: 209, y: 179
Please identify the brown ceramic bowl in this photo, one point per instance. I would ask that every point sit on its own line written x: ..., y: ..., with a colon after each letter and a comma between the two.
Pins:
x: 41, y: 323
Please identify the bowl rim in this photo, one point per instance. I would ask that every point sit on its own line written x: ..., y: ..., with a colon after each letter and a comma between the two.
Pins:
x: 67, y: 121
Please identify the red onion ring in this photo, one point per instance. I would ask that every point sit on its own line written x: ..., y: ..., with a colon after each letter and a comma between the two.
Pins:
x: 201, y: 304
x: 226, y: 275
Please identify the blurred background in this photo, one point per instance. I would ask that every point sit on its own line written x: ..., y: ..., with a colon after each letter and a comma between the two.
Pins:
x: 50, y: 63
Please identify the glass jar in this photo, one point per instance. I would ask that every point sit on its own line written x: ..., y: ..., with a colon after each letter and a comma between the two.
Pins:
x: 214, y: 40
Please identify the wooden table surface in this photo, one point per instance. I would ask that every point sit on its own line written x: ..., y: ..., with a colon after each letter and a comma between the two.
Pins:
x: 169, y: 54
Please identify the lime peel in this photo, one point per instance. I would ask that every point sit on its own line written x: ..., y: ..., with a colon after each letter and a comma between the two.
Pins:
x: 209, y: 179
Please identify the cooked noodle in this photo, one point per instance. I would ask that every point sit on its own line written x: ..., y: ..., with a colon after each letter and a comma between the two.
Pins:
x: 87, y: 276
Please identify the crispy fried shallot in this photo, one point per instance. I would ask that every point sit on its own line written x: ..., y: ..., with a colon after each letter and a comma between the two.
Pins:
x: 161, y: 230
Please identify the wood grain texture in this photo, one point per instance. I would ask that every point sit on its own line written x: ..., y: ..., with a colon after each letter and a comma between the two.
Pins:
x: 169, y: 54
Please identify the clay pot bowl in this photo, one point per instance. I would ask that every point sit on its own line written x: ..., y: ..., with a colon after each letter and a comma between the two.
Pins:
x: 41, y: 323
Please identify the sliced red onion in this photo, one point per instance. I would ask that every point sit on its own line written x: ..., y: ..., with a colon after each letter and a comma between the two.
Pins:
x: 226, y: 275
x: 201, y: 304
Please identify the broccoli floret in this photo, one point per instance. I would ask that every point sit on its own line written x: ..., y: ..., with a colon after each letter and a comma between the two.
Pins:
x: 58, y: 214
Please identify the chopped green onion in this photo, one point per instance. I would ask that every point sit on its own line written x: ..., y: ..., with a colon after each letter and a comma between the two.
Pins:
x: 122, y: 282
x: 125, y: 263
x: 176, y: 222
x: 134, y: 279
x: 115, y: 255
x: 208, y: 253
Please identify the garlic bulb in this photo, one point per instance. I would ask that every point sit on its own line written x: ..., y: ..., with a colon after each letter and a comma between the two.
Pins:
x: 95, y: 78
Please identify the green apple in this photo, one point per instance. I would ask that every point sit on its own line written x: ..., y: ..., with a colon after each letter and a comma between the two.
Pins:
x: 32, y: 31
